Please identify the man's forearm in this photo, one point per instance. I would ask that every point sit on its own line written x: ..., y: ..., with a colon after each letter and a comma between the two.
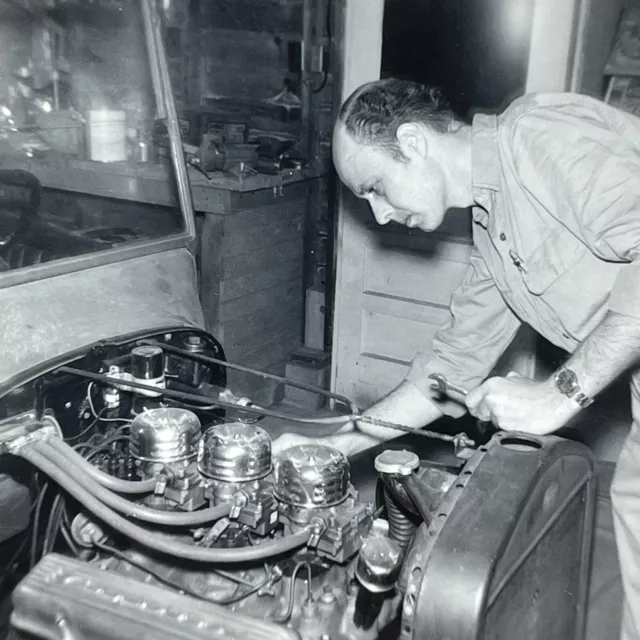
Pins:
x: 612, y: 348
x: 515, y: 403
x: 404, y: 405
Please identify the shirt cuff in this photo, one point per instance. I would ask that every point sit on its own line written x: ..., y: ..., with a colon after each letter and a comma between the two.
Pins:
x: 418, y: 376
x: 625, y: 295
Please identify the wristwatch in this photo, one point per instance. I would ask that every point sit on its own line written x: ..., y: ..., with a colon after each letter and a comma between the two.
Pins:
x: 567, y: 383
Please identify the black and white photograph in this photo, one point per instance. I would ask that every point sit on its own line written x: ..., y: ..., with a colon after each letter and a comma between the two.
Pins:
x: 320, y: 319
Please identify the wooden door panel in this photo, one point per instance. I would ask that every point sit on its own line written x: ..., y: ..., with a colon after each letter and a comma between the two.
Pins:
x: 396, y: 337
x: 375, y: 378
x: 393, y: 292
x: 425, y: 313
x: 423, y: 277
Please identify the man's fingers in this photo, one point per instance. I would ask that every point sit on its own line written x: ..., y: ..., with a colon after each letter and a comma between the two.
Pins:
x: 483, y: 403
x: 475, y: 397
x: 514, y: 374
x: 484, y: 414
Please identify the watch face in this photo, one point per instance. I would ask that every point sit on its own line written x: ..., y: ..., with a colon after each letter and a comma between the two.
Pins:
x: 566, y: 380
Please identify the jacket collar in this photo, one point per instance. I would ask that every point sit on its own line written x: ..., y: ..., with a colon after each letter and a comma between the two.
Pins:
x: 486, y: 170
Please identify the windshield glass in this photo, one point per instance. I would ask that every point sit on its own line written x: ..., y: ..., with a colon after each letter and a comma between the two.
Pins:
x: 85, y: 166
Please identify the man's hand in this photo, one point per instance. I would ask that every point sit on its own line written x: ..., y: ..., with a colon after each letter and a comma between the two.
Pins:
x: 516, y: 403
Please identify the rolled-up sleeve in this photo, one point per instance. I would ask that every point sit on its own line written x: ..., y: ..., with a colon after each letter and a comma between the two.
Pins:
x: 587, y: 165
x: 466, y: 349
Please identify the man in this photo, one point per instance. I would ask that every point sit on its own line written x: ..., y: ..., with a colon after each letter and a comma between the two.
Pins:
x: 554, y: 183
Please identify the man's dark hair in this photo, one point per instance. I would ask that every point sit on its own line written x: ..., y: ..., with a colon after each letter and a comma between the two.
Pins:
x: 373, y: 113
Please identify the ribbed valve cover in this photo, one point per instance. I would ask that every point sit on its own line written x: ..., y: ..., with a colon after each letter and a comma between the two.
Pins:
x: 165, y: 435
x: 235, y: 452
x: 311, y: 476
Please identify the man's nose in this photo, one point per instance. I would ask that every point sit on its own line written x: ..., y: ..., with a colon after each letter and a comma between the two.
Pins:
x: 382, y: 212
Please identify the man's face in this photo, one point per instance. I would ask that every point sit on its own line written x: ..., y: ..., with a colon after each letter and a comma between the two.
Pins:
x: 411, y: 191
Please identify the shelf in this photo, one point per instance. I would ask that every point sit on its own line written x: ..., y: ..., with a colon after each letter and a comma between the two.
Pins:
x: 150, y: 183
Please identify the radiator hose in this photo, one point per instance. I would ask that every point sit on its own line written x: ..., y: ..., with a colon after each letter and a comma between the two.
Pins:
x: 158, y: 542
x: 406, y: 499
x: 401, y: 523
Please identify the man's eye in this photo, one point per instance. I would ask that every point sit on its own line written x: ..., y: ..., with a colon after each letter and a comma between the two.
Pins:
x: 375, y: 190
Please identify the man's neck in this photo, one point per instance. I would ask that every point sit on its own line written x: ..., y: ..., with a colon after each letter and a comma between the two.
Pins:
x: 459, y: 167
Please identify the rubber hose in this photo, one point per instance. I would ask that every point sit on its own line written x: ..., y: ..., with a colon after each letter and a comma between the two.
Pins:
x: 419, y: 495
x: 401, y: 526
x: 397, y: 490
x: 126, y: 507
x: 162, y: 544
x: 106, y: 480
x: 367, y: 608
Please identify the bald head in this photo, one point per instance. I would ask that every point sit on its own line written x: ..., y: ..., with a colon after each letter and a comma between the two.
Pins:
x: 374, y: 112
x: 398, y: 145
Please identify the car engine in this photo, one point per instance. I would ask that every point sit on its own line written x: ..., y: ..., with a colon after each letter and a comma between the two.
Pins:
x: 198, y: 479
x: 167, y: 514
x: 228, y: 469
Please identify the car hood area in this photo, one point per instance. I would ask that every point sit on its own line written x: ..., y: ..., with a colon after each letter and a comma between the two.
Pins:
x: 45, y: 319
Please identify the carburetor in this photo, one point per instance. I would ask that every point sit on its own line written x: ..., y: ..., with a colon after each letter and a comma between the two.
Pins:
x: 312, y: 485
x: 164, y: 445
x: 235, y: 458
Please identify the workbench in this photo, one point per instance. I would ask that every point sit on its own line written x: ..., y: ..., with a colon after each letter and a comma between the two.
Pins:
x: 250, y: 249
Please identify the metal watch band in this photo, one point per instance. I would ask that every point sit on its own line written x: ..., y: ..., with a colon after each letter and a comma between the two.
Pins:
x: 567, y: 383
x: 582, y: 399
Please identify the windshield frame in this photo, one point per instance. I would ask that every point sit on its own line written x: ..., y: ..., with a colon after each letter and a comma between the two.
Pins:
x: 158, y: 67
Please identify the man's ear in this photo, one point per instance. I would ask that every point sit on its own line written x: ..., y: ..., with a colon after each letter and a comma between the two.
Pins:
x: 412, y: 140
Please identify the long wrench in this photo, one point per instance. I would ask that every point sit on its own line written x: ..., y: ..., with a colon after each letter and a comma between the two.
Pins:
x: 447, y: 388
